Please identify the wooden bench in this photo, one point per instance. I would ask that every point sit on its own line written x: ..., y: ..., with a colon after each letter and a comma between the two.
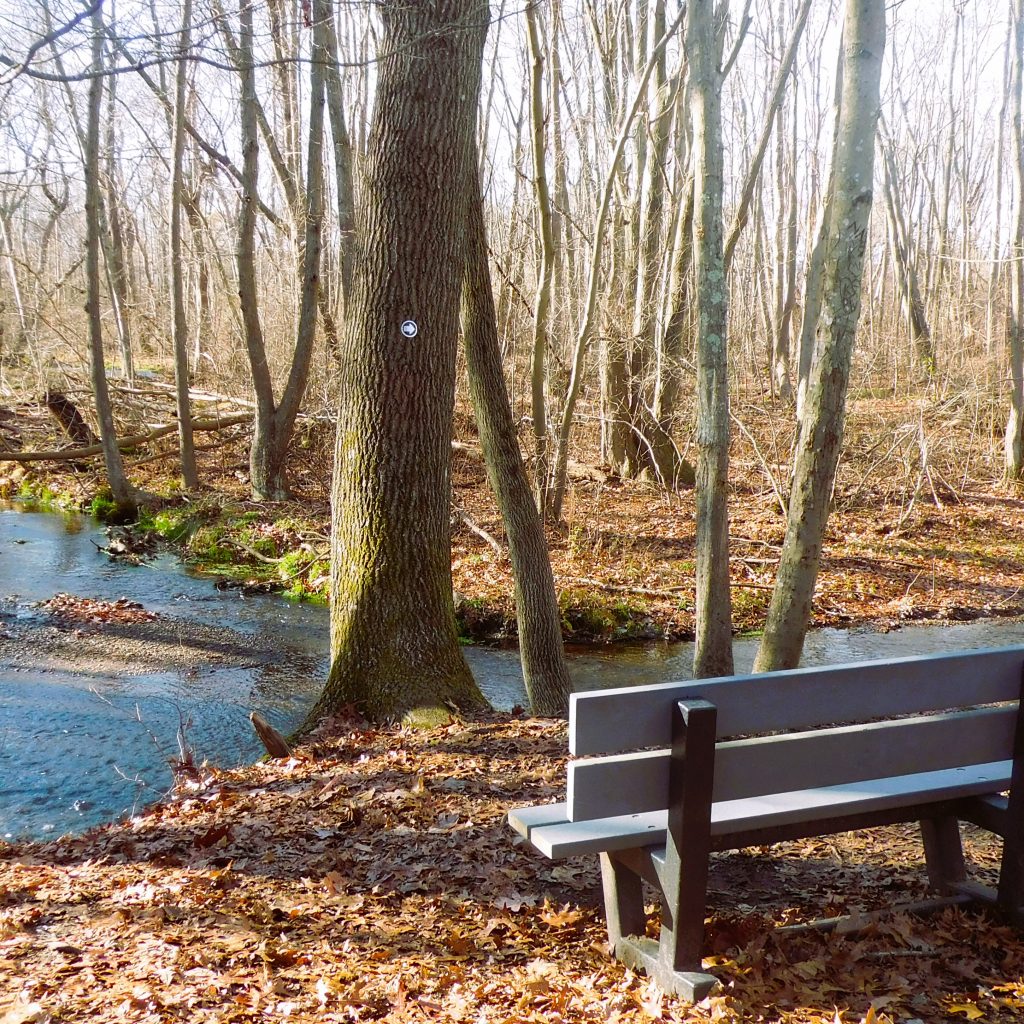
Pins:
x: 661, y: 780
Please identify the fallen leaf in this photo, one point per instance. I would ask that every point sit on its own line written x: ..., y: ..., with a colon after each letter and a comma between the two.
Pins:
x: 970, y: 1010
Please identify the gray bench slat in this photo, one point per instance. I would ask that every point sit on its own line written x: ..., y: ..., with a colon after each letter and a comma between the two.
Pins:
x: 636, y: 783
x: 607, y: 721
x: 569, y: 839
x: 525, y: 819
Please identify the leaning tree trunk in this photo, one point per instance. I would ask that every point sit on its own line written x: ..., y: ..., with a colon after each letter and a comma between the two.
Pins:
x: 713, y: 654
x: 540, y: 629
x: 843, y: 243
x: 548, y: 258
x: 394, y: 645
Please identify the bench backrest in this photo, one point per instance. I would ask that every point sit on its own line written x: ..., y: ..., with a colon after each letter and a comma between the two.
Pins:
x: 898, y: 717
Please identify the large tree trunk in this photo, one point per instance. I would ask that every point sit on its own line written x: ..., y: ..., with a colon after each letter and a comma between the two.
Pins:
x: 394, y: 644
x: 713, y: 654
x: 843, y: 243
x: 540, y: 630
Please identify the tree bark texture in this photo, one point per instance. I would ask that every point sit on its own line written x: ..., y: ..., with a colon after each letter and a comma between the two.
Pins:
x: 713, y: 653
x: 540, y: 629
x: 821, y: 427
x: 394, y: 645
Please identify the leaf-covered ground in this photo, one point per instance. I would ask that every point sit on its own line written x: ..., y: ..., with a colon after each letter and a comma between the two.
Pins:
x: 372, y: 877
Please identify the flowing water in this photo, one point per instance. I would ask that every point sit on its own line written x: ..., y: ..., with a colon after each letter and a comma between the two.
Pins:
x: 84, y: 745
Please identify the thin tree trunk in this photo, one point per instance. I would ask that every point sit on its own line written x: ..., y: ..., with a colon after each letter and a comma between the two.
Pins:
x: 713, y: 653
x: 344, y: 176
x: 785, y: 268
x: 906, y: 272
x: 186, y: 448
x: 114, y: 250
x: 1013, y: 441
x: 754, y: 169
x: 312, y: 224
x: 121, y: 490
x: 821, y: 428
x: 672, y: 467
x: 542, y: 301
x: 586, y: 329
x: 264, y: 441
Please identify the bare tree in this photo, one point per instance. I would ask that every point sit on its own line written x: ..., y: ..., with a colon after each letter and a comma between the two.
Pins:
x: 189, y: 474
x: 393, y: 638
x: 122, y: 491
x: 540, y: 627
x: 843, y: 242
x: 713, y: 653
x: 1014, y: 437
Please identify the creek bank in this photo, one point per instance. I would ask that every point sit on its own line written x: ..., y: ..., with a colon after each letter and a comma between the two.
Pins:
x: 624, y: 557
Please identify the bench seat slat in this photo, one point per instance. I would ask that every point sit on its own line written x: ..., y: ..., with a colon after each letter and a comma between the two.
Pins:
x: 525, y: 819
x: 632, y: 717
x: 568, y: 839
x: 635, y: 783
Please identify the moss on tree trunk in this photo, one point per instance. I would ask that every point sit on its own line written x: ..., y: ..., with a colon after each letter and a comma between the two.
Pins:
x: 393, y: 635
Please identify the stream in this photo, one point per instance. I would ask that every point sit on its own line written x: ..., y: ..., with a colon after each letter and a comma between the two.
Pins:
x: 83, y: 743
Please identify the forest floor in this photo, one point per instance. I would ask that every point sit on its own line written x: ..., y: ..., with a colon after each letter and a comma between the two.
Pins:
x: 922, y: 528
x: 372, y: 877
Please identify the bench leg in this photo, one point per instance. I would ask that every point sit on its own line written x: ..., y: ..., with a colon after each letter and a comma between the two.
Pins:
x: 623, y: 901
x: 943, y: 853
x: 675, y: 962
x: 1011, y: 877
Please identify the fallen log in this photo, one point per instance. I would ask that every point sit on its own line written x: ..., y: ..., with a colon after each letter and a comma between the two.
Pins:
x: 71, y: 454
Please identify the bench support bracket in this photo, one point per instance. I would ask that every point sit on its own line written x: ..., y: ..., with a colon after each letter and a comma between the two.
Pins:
x: 647, y: 955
